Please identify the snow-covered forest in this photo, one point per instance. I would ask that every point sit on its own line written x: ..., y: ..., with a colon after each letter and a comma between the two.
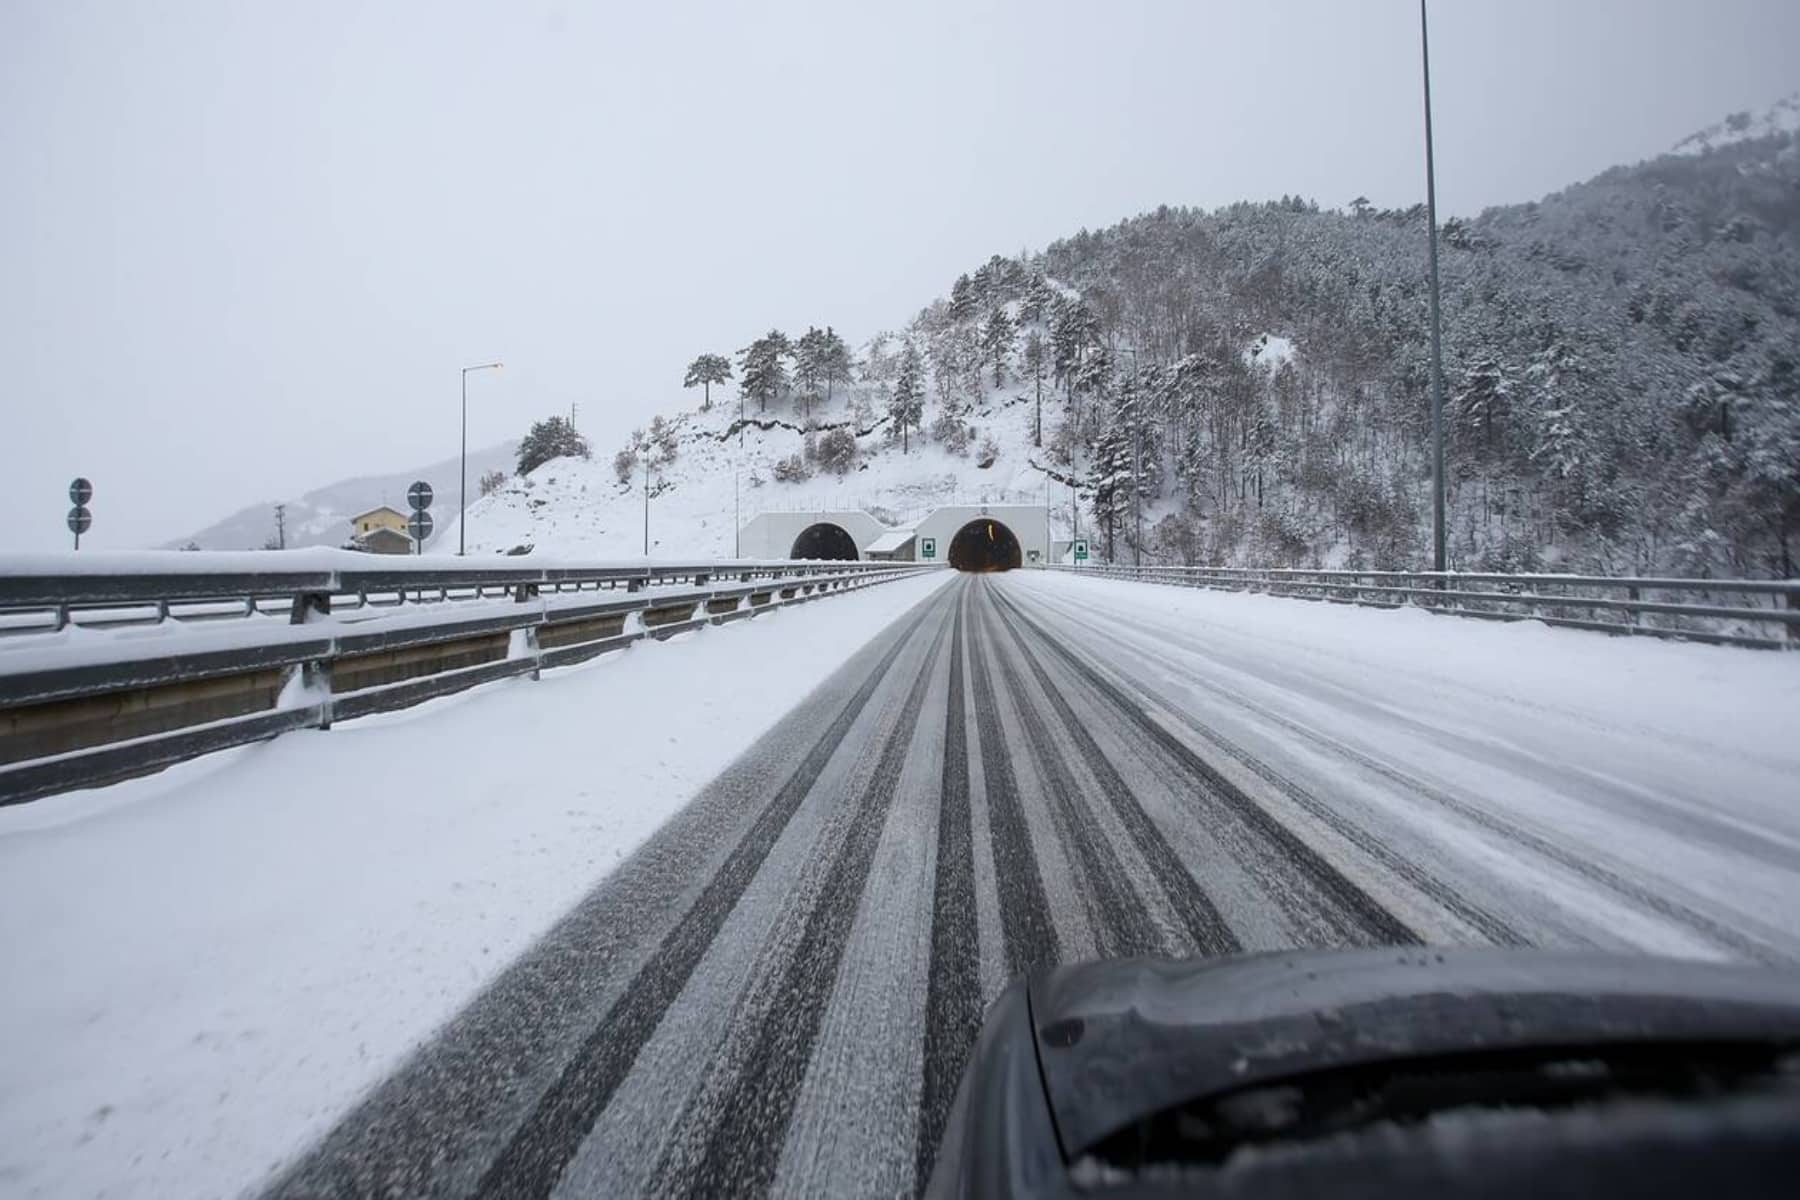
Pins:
x: 1621, y: 377
x: 1622, y: 383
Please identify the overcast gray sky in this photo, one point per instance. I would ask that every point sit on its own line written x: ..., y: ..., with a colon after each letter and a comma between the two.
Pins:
x: 244, y: 247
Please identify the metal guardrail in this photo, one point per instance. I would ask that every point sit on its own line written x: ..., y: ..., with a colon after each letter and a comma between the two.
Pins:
x: 358, y: 641
x: 1649, y: 607
x: 56, y: 599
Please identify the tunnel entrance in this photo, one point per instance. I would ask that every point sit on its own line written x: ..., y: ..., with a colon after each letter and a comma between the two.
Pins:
x: 984, y: 544
x: 825, y: 540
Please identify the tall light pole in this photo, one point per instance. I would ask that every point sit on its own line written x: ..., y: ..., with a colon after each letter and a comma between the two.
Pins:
x: 1437, y: 337
x: 462, y: 502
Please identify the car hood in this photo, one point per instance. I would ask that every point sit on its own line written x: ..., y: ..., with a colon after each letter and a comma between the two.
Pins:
x: 1122, y: 1039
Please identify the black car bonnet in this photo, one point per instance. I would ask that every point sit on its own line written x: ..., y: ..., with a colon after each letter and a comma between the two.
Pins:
x: 1121, y: 1040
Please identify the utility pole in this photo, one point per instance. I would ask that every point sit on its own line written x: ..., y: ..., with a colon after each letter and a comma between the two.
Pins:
x: 281, y: 527
x: 646, y: 501
x: 737, y: 512
x: 1438, y: 561
x: 573, y: 409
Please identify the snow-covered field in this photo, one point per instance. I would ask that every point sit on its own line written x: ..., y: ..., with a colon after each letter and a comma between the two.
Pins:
x: 204, y: 968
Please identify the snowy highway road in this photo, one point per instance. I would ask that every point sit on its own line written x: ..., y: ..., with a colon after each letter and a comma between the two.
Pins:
x: 776, y: 992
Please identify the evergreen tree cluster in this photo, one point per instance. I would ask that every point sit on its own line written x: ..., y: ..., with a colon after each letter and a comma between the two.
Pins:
x: 1622, y: 374
x: 805, y: 371
x: 553, y: 437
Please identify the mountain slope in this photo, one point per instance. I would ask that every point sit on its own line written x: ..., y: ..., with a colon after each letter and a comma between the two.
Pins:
x: 1621, y: 378
x: 321, y: 517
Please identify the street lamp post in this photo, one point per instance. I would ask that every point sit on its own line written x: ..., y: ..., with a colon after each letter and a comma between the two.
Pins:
x: 1437, y: 341
x: 462, y: 502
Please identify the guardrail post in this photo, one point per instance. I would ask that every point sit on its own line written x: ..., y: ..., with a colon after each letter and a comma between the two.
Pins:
x: 524, y: 591
x: 308, y: 604
x: 315, y: 677
x: 1633, y: 618
x: 1793, y: 629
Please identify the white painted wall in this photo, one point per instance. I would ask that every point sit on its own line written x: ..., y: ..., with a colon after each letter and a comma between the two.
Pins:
x: 771, y: 535
x: 1028, y: 523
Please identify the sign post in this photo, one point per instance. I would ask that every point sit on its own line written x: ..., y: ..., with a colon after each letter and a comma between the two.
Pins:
x: 1081, y: 551
x: 419, y: 495
x: 80, y: 520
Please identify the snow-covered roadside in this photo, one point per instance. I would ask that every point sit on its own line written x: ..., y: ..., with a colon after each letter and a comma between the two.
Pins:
x: 205, y: 967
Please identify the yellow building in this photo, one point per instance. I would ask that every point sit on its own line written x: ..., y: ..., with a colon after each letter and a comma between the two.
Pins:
x: 378, y: 518
x: 381, y: 531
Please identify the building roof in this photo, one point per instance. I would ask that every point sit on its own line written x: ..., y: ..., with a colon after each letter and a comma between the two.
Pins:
x: 381, y: 536
x: 887, y: 543
x: 379, y: 508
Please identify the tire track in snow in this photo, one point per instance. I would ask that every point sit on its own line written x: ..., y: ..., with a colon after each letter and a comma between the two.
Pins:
x: 554, y: 1129
x: 1205, y: 927
x: 1121, y: 923
x: 953, y: 989
x: 1435, y: 889
x: 1031, y: 939
x: 1373, y: 920
x: 744, y: 1148
x: 1427, y: 884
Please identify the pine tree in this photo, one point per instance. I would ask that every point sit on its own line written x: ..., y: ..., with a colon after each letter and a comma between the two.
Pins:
x: 764, y: 374
x: 965, y: 305
x: 550, y: 438
x: 809, y: 367
x: 1035, y: 361
x: 1110, y: 479
x: 836, y: 361
x: 1038, y: 301
x: 1073, y: 330
x: 1485, y: 401
x: 705, y: 371
x: 997, y: 336
x: 906, y: 408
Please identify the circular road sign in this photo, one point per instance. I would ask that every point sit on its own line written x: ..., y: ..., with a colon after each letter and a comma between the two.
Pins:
x: 80, y: 519
x: 80, y: 490
x: 420, y: 525
x: 419, y: 496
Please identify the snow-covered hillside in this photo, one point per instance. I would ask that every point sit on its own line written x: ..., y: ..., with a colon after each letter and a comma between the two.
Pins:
x: 1616, y: 364
x: 578, y: 507
x: 1781, y: 117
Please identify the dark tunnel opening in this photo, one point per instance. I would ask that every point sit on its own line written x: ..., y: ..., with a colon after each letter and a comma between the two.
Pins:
x: 984, y: 545
x: 825, y: 540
